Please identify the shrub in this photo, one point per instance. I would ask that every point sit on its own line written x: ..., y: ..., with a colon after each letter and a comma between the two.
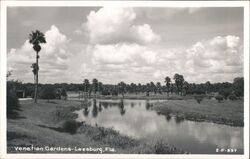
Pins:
x: 232, y: 97
x: 12, y: 104
x: 219, y: 97
x: 198, y: 99
x: 71, y: 126
x: 226, y: 92
x: 48, y: 92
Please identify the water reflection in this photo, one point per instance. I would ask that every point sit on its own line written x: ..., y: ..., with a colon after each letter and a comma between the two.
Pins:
x: 94, y: 109
x: 121, y: 107
x: 129, y: 118
x: 168, y: 116
x: 86, y: 111
x: 178, y: 119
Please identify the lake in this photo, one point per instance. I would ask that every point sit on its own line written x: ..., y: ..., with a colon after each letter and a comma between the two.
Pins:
x: 136, y: 119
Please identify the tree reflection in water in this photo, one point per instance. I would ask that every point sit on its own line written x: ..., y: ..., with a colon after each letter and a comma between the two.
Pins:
x: 121, y: 107
x: 132, y: 104
x: 100, y: 107
x: 148, y: 105
x: 178, y: 120
x: 168, y: 116
x: 86, y: 111
x: 95, y: 109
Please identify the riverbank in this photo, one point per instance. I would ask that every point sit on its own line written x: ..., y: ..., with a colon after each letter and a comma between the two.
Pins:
x: 140, y: 96
x: 40, y: 129
x: 209, y: 110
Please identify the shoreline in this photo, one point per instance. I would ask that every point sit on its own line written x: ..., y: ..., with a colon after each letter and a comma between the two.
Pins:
x: 46, y: 131
x: 226, y: 113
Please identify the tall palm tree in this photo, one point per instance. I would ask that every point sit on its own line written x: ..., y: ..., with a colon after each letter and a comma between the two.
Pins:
x: 36, y: 38
x: 167, y: 81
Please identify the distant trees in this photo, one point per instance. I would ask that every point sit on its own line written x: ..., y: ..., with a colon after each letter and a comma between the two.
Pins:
x: 36, y: 38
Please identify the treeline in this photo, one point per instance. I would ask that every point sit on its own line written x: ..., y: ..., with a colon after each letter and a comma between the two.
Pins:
x: 177, y: 85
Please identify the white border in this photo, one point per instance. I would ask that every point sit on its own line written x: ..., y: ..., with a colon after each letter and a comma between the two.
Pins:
x: 3, y: 58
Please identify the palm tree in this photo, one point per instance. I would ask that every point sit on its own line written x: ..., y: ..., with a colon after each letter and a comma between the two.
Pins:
x: 86, y: 86
x: 36, y: 38
x: 179, y: 79
x: 95, y: 85
x: 34, y: 70
x: 167, y: 81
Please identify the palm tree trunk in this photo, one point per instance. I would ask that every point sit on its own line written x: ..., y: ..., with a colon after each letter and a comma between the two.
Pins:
x: 36, y: 87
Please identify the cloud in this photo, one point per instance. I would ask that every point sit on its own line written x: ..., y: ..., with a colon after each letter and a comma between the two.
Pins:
x: 216, y: 57
x: 115, y: 25
x: 53, y: 59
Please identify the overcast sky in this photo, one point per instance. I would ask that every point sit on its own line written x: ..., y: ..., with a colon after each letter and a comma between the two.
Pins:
x: 127, y: 44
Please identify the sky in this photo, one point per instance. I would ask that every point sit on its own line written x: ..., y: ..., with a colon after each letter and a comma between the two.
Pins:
x: 136, y: 45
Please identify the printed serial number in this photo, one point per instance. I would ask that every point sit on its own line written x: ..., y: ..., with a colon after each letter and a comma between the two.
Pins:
x: 227, y: 150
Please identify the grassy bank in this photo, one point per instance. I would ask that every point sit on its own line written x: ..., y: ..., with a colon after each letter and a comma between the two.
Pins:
x: 40, y: 129
x: 227, y: 112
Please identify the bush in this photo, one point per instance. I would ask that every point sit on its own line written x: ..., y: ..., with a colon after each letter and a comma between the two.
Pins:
x: 48, y: 92
x: 219, y: 97
x: 198, y: 99
x: 232, y: 97
x: 226, y: 92
x: 12, y: 104
x: 71, y: 126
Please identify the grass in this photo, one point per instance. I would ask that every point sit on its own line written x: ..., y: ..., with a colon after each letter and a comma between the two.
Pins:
x: 226, y: 112
x: 44, y: 125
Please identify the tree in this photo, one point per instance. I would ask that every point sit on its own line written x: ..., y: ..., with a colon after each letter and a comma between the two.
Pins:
x: 179, y: 79
x: 152, y: 87
x: 208, y: 85
x: 167, y: 81
x: 185, y: 87
x: 86, y: 86
x: 158, y: 87
x: 100, y: 87
x: 64, y: 94
x: 48, y: 92
x: 121, y: 88
x: 238, y: 86
x: 36, y: 38
x: 95, y: 85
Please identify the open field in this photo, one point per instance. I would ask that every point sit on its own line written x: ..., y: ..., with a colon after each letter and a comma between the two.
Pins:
x: 40, y: 125
x: 209, y: 110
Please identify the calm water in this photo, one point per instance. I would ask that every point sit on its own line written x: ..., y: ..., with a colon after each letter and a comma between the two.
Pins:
x: 136, y: 119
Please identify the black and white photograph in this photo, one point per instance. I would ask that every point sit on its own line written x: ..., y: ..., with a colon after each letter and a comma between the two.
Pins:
x: 125, y: 79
